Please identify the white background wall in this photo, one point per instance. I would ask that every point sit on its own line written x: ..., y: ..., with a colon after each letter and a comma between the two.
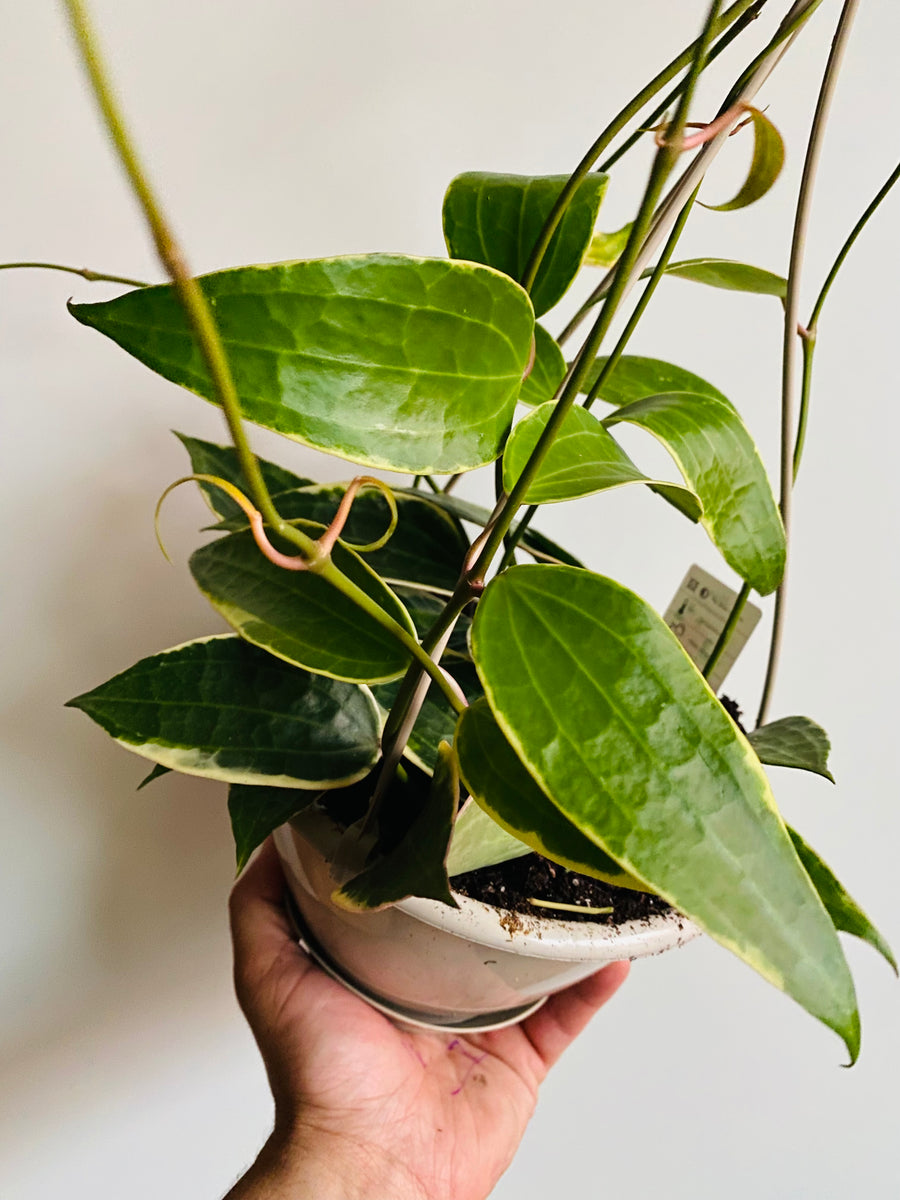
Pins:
x: 283, y: 130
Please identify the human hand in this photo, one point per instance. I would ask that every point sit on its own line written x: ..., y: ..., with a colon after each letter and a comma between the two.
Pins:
x: 364, y: 1109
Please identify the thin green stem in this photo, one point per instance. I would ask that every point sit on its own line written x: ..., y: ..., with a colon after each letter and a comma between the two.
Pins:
x: 791, y: 313
x: 663, y: 163
x: 809, y: 350
x: 189, y: 292
x: 615, y: 127
x: 731, y: 624
x: 84, y: 272
x: 666, y: 103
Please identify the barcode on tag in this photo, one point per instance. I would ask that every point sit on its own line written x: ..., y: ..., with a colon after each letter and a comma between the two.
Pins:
x: 697, y: 615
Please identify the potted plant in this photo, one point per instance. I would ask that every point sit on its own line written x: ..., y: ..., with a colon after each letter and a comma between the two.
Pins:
x: 402, y: 690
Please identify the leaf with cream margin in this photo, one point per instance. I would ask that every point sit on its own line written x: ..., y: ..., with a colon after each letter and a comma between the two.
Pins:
x: 618, y: 728
x: 298, y: 615
x: 223, y: 709
x: 719, y: 461
x: 582, y: 460
x: 497, y: 219
x: 410, y: 364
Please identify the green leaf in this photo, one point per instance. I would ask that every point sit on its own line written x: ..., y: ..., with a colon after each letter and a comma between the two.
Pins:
x: 297, y: 615
x: 547, y: 372
x: 155, y: 773
x: 730, y: 275
x: 411, y: 364
x: 840, y: 905
x: 436, y: 721
x: 478, y: 841
x: 415, y: 865
x: 424, y: 608
x: 614, y: 723
x: 719, y: 461
x: 427, y: 547
x: 501, y: 785
x: 256, y: 812
x: 765, y: 166
x: 221, y: 708
x: 496, y: 219
x: 634, y: 377
x: 532, y: 542
x: 793, y: 742
x: 606, y: 248
x: 583, y: 459
x: 210, y: 459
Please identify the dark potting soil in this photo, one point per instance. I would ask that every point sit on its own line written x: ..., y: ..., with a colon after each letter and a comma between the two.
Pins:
x: 511, y: 885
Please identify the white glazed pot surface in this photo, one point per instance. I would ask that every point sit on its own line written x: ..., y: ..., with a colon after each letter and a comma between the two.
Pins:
x: 476, y: 966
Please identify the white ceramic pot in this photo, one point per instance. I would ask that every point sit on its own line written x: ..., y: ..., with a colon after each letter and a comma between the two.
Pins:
x: 426, y: 964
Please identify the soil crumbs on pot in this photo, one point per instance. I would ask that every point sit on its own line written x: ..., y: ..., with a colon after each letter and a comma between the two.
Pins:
x: 512, y: 885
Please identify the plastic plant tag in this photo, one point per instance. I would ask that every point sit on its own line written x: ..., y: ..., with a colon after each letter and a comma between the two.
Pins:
x: 697, y: 615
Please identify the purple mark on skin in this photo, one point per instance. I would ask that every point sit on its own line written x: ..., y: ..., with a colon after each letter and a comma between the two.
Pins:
x: 474, y: 1060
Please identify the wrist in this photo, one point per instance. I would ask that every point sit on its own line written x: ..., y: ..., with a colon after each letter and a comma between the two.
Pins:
x: 316, y: 1165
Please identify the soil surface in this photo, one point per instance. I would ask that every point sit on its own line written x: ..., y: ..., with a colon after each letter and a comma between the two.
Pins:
x: 511, y: 885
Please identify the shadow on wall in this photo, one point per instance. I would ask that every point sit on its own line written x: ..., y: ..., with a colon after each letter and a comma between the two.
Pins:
x: 115, y: 900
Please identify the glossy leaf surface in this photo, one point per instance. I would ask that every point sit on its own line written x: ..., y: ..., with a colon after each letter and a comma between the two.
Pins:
x: 415, y: 866
x: 765, y: 165
x: 729, y: 275
x: 255, y: 812
x: 221, y: 708
x: 840, y: 905
x: 614, y: 723
x: 411, y: 364
x: 635, y: 377
x: 547, y: 372
x: 501, y: 785
x: 496, y: 219
x: 297, y: 615
x: 582, y: 460
x: 209, y: 459
x: 719, y: 461
x: 793, y: 742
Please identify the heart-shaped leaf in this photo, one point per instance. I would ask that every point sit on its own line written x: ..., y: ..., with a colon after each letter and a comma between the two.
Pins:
x: 256, y: 812
x: 729, y: 275
x: 297, y: 615
x: 221, y: 708
x: 427, y: 547
x: 209, y: 459
x: 615, y: 724
x: 793, y: 742
x: 765, y: 166
x: 548, y: 370
x: 719, y: 461
x: 582, y: 460
x: 634, y: 377
x: 496, y: 219
x: 415, y: 865
x: 500, y: 784
x: 412, y: 364
x: 840, y: 905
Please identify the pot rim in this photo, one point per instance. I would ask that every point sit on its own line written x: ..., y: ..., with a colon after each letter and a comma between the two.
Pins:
x: 547, y: 937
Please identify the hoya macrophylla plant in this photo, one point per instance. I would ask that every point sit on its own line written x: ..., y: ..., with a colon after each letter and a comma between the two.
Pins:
x: 448, y: 683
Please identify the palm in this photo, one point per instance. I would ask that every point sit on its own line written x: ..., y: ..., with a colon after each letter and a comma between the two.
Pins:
x: 449, y: 1111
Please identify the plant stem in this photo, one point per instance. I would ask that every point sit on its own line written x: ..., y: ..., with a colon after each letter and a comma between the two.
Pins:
x: 84, y: 272
x: 743, y: 92
x: 665, y: 104
x: 810, y: 334
x: 618, y: 123
x: 189, y: 292
x: 730, y: 625
x: 513, y: 539
x: 791, y: 314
